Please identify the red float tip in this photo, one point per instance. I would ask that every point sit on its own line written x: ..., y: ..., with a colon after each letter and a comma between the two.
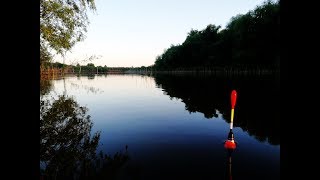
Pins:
x: 233, y: 98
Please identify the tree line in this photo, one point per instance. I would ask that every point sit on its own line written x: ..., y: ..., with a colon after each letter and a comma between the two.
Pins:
x: 90, y: 68
x: 249, y: 40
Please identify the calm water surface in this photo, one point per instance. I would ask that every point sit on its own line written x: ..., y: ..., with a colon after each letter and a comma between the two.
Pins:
x: 174, y: 125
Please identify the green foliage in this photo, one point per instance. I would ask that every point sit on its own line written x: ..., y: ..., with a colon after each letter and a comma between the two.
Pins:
x: 249, y: 40
x: 90, y: 65
x: 90, y: 68
x: 45, y: 56
x: 62, y: 24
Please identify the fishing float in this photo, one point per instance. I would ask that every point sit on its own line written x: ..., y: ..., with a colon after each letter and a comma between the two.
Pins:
x: 230, y: 144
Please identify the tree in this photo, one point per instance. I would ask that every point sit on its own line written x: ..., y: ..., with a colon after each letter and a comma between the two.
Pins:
x: 62, y: 24
x: 249, y: 40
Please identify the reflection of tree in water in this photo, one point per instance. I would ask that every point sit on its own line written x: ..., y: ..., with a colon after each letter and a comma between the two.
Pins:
x: 194, y: 93
x: 257, y: 105
x: 67, y: 149
x: 87, y: 88
x: 198, y: 93
x: 91, y: 76
x: 45, y: 86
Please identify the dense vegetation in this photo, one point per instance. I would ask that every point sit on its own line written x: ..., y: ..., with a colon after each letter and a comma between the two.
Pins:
x: 90, y: 68
x: 248, y: 41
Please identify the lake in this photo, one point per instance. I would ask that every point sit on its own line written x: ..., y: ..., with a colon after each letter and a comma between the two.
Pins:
x: 162, y: 126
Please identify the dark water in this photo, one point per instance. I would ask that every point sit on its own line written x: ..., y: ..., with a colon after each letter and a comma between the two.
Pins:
x: 173, y: 127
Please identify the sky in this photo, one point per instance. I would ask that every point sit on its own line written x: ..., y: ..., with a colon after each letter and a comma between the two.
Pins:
x: 126, y: 33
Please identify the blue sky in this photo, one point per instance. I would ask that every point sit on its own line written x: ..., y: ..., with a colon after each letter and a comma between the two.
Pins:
x: 129, y: 33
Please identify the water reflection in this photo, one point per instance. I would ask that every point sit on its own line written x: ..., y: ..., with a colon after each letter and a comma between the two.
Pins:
x: 259, y: 97
x: 90, y: 89
x: 185, y: 149
x: 67, y: 147
x: 228, y: 172
x: 45, y: 86
x: 91, y: 76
